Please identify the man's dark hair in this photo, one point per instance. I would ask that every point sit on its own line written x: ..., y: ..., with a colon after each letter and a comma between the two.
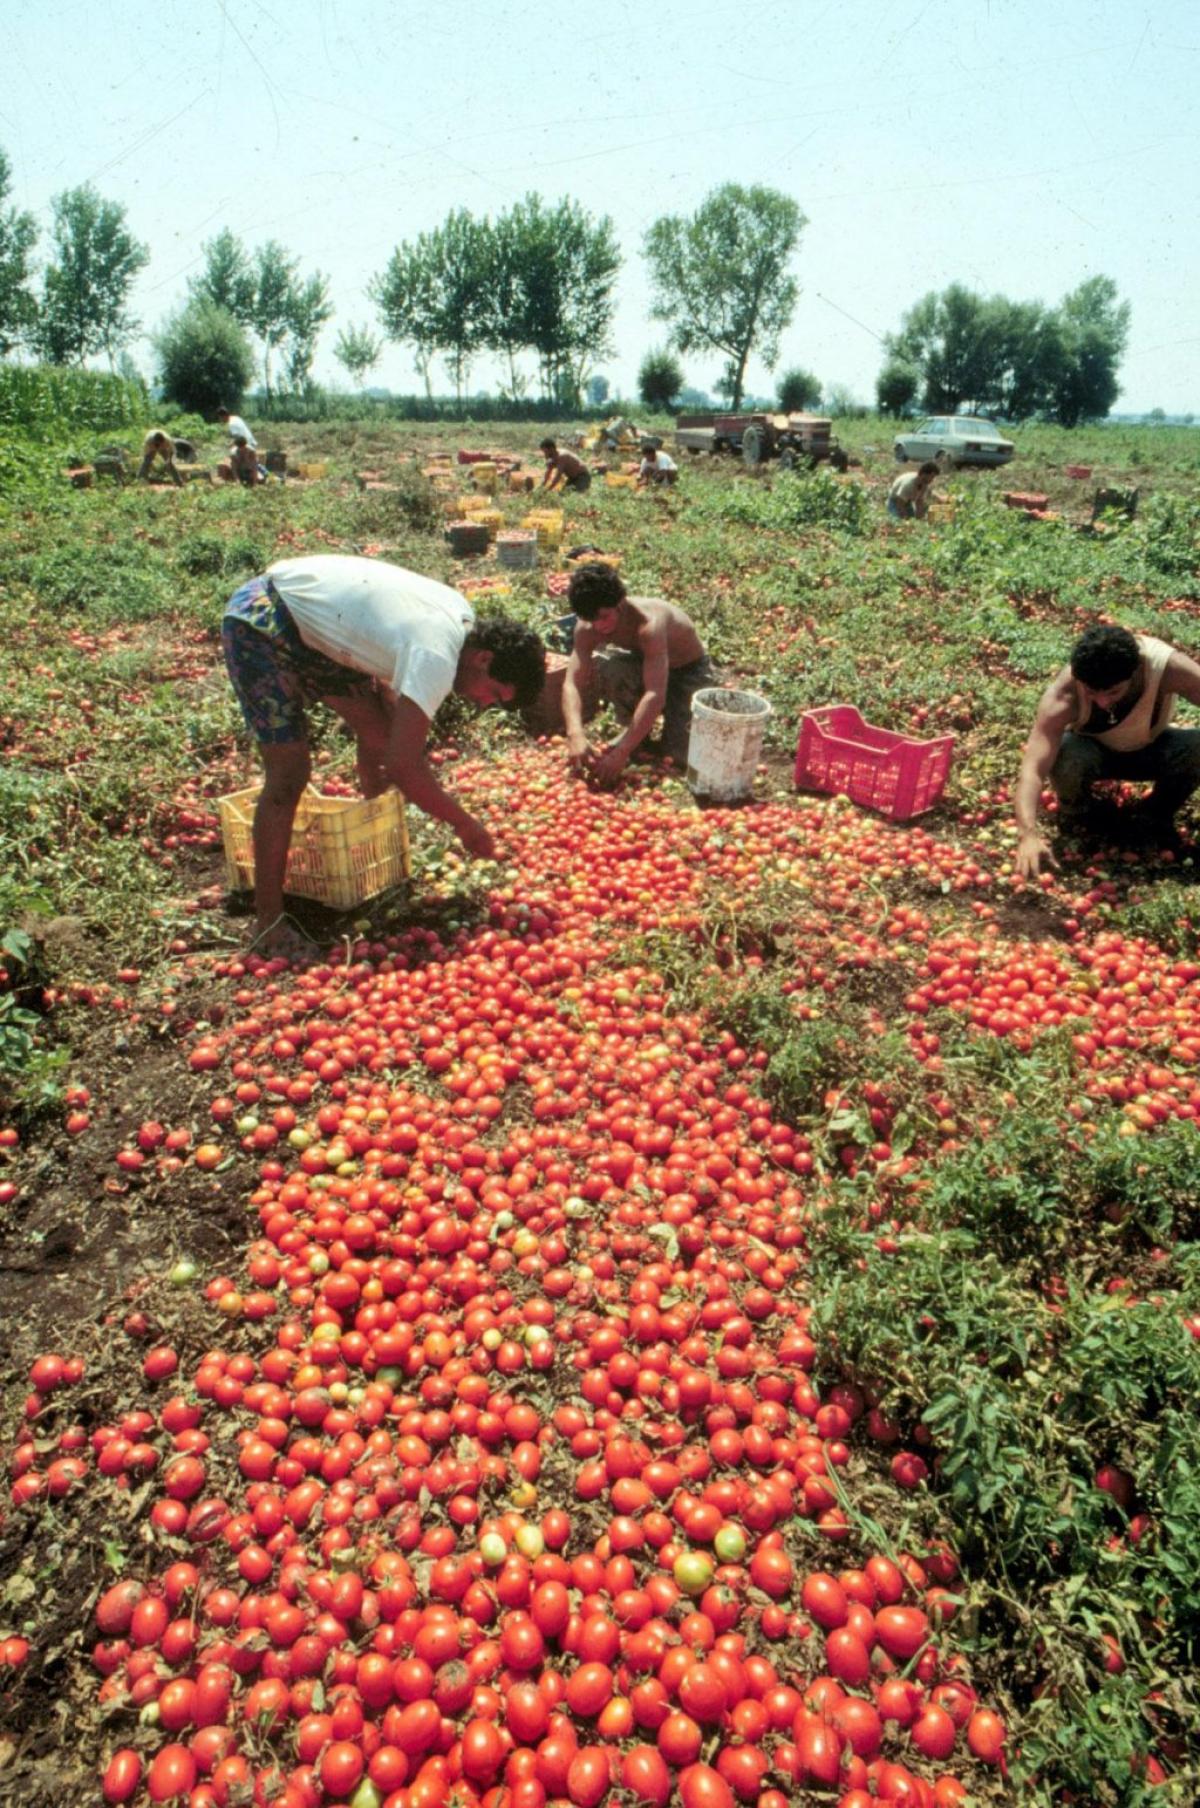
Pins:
x: 594, y: 587
x: 518, y: 656
x: 223, y: 414
x: 928, y: 469
x: 1104, y: 656
x: 548, y: 445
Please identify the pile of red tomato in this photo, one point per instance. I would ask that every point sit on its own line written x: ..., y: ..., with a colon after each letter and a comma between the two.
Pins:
x: 532, y: 1497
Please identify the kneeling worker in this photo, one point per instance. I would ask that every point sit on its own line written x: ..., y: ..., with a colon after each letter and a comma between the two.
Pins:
x: 160, y: 445
x: 563, y: 470
x: 656, y: 467
x: 1106, y: 716
x: 647, y: 661
x: 912, y: 492
x: 337, y: 630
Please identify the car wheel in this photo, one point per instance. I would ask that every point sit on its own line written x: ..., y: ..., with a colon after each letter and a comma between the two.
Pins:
x: 945, y: 461
x: 901, y: 454
x: 754, y: 446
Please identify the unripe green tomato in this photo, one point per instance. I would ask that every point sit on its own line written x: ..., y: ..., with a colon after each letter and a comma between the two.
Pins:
x: 693, y: 1572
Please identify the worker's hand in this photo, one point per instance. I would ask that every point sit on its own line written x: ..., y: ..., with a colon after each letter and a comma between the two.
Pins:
x: 608, y: 766
x: 579, y: 752
x: 477, y: 840
x: 1032, y: 849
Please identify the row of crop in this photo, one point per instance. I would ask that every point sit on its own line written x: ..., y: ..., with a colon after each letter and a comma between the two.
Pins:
x: 47, y: 402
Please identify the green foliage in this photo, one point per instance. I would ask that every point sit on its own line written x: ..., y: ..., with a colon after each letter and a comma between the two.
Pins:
x: 896, y: 387
x: 1169, y: 530
x: 85, y: 288
x: 538, y: 279
x: 47, y: 402
x: 799, y: 389
x: 357, y: 350
x: 265, y: 293
x: 988, y: 354
x: 798, y: 499
x: 18, y: 235
x: 720, y: 276
x: 660, y: 379
x: 204, y: 358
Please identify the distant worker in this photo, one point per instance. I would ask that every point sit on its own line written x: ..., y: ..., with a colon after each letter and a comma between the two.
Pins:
x: 656, y: 468
x: 1106, y: 716
x: 237, y: 429
x: 647, y: 661
x: 241, y: 465
x: 912, y: 492
x: 563, y: 470
x: 159, y: 445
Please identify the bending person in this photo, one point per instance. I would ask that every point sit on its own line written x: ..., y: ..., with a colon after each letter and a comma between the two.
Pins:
x: 1106, y: 716
x: 336, y: 629
x: 648, y: 662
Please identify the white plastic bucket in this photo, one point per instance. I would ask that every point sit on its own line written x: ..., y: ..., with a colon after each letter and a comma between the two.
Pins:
x: 726, y: 743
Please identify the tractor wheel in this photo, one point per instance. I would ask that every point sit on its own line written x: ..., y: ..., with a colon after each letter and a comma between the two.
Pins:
x: 787, y: 459
x: 754, y: 446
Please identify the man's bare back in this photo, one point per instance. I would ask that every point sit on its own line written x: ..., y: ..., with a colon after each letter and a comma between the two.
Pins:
x: 648, y: 620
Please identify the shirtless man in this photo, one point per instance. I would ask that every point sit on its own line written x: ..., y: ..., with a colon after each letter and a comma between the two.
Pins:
x: 160, y: 445
x: 1106, y: 716
x: 563, y: 470
x: 647, y: 660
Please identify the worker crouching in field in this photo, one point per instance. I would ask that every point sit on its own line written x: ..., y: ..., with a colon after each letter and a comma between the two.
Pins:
x: 647, y: 661
x: 159, y: 445
x: 1107, y: 716
x: 911, y: 494
x: 383, y: 647
x: 563, y: 470
x: 657, y: 467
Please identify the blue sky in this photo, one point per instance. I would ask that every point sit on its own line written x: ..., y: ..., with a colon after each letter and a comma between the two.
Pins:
x: 1012, y: 146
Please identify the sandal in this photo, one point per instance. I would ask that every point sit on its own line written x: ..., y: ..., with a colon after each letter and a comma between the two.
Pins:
x: 284, y: 940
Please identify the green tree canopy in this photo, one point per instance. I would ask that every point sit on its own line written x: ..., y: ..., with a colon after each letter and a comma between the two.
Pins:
x: 896, y: 387
x: 226, y: 277
x: 405, y: 294
x: 721, y: 277
x: 357, y: 350
x: 18, y: 235
x: 799, y: 389
x: 85, y: 289
x: 560, y: 266
x: 993, y: 355
x: 204, y: 357
x: 660, y: 380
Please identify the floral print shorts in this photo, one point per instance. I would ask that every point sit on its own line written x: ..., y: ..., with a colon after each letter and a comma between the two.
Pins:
x: 272, y: 671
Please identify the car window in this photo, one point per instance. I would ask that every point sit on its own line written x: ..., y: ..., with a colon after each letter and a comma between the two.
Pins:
x: 977, y: 429
x: 933, y: 426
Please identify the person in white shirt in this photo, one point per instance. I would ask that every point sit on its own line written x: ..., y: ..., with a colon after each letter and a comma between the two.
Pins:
x: 237, y: 429
x: 656, y: 467
x: 912, y: 492
x: 383, y: 648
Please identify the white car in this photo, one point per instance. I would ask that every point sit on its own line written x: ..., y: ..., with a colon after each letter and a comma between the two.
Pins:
x: 954, y: 439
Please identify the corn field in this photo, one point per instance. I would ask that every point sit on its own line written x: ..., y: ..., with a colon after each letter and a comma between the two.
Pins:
x: 48, y: 401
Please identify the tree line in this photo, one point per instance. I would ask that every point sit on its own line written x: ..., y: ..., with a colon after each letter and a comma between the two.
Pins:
x: 538, y: 282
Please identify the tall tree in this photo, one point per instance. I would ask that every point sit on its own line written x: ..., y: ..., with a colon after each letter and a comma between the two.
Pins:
x: 896, y: 387
x: 226, y: 277
x: 85, y: 289
x: 275, y: 276
x: 565, y: 265
x: 1094, y: 327
x: 721, y: 276
x: 18, y: 235
x: 309, y: 307
x: 405, y: 294
x: 462, y: 269
x: 357, y: 350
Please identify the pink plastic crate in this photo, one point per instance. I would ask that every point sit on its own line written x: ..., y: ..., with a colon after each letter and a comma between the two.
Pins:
x: 897, y: 774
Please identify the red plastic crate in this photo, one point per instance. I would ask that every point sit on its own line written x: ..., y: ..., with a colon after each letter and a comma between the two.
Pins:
x: 840, y: 753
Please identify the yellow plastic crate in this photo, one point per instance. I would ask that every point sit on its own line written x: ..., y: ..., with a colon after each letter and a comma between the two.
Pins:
x: 344, y: 849
x: 312, y: 470
x: 618, y: 480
